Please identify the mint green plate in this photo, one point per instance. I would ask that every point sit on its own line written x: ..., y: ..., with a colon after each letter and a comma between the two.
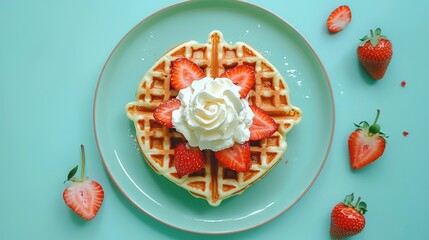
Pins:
x: 308, y: 143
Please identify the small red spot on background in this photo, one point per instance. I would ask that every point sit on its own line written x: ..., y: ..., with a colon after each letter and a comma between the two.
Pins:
x: 403, y: 83
x: 405, y: 133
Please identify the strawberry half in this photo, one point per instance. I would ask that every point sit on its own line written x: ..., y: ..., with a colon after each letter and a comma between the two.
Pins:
x: 243, y: 76
x: 366, y: 144
x: 347, y: 219
x: 236, y: 157
x: 339, y: 19
x: 164, y: 112
x: 263, y: 125
x: 83, y: 196
x: 187, y: 159
x: 184, y: 72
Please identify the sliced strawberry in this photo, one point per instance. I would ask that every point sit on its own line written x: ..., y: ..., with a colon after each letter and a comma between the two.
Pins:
x: 366, y: 144
x: 163, y: 113
x: 236, y: 157
x: 339, y: 19
x: 243, y: 76
x: 84, y: 198
x: 364, y: 149
x: 184, y: 72
x: 263, y: 125
x: 187, y: 159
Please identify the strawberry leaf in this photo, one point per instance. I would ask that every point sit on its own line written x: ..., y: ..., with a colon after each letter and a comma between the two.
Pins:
x: 364, y: 38
x: 383, y: 135
x: 377, y: 32
x: 362, y: 125
x: 348, y: 200
x: 362, y: 207
x: 71, y: 173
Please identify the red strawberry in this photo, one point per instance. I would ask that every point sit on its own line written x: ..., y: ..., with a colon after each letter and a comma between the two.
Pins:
x: 339, y: 19
x: 243, y: 76
x: 187, y: 159
x: 263, y: 125
x: 375, y: 53
x: 83, y: 196
x: 184, y: 72
x: 347, y: 219
x: 163, y: 113
x: 366, y: 144
x: 236, y: 157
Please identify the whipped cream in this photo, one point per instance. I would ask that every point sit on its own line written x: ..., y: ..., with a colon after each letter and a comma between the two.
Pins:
x: 212, y: 115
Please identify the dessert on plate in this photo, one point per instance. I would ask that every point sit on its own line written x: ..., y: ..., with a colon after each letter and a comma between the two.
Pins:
x: 212, y: 117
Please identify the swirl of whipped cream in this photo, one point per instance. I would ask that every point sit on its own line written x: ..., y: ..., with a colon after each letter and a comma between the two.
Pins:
x: 212, y: 115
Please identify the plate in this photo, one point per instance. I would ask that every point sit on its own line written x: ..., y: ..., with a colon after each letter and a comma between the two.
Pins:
x: 308, y: 143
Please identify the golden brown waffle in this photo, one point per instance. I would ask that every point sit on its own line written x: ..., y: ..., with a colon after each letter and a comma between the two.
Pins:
x: 157, y: 143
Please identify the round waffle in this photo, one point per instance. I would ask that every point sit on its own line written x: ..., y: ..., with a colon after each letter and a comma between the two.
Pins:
x: 157, y: 143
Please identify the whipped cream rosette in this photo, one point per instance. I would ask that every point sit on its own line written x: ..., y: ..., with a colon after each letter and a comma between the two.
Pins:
x: 212, y: 115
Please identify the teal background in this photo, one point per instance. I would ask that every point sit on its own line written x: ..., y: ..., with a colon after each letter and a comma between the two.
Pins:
x: 51, y: 55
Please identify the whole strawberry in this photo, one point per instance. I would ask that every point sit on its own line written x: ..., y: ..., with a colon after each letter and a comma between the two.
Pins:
x: 366, y: 143
x: 83, y: 196
x: 375, y: 53
x: 347, y: 219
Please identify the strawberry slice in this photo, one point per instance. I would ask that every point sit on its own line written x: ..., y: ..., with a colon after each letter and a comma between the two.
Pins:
x: 83, y: 196
x: 339, y: 19
x: 163, y: 113
x: 263, y: 125
x: 243, y: 76
x: 187, y: 159
x: 366, y: 144
x: 236, y: 157
x: 184, y: 72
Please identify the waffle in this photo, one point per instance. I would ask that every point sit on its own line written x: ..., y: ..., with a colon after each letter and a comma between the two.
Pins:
x: 157, y: 143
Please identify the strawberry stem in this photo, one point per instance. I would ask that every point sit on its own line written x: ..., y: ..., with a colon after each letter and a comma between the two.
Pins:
x: 357, y: 203
x: 70, y: 176
x: 375, y: 128
x: 375, y: 37
x: 376, y: 117
x: 82, y: 170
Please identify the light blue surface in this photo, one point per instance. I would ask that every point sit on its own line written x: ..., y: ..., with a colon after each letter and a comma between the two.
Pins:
x: 51, y: 55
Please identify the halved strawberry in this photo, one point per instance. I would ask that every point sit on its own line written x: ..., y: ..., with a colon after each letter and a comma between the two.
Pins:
x: 339, y: 19
x: 366, y: 144
x: 184, y: 72
x: 83, y: 196
x: 163, y: 113
x: 263, y: 125
x: 243, y: 76
x: 187, y: 159
x: 236, y: 157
